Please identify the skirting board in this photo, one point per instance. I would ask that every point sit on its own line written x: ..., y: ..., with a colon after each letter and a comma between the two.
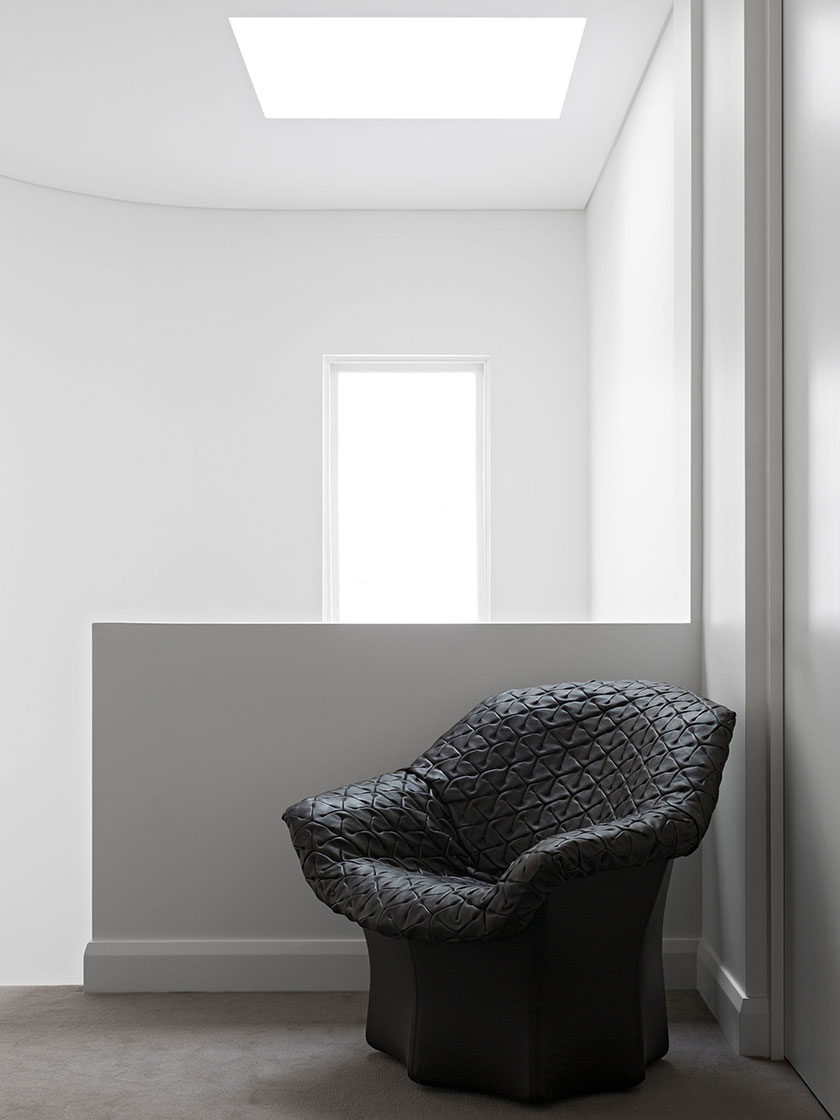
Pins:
x: 272, y: 966
x: 227, y: 966
x: 744, y: 1020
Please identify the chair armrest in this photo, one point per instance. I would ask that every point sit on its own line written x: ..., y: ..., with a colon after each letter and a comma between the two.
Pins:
x: 394, y: 817
x: 663, y: 831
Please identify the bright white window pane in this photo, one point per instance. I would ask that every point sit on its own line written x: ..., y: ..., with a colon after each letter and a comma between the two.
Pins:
x: 406, y: 496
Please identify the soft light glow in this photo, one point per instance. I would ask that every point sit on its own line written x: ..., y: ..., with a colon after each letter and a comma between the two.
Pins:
x: 406, y: 496
x: 409, y: 67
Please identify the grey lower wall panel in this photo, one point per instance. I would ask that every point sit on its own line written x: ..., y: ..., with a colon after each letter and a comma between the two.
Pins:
x: 202, y: 734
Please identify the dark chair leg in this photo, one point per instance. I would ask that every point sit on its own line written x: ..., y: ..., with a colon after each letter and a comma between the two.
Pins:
x: 652, y: 979
x: 573, y: 1004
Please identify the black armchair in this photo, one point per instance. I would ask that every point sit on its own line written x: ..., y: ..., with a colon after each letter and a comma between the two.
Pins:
x: 511, y: 883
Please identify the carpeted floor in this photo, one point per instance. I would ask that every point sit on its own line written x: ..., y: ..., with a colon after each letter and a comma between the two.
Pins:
x: 65, y: 1055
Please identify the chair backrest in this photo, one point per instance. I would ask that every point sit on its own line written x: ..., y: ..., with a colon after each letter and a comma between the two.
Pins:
x: 529, y: 763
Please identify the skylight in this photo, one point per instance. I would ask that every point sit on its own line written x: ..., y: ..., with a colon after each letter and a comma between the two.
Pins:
x: 406, y: 67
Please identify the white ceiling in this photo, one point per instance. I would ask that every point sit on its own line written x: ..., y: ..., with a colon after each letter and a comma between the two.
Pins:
x: 149, y: 101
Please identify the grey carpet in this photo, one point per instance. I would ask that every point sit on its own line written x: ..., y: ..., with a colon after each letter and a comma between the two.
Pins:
x: 65, y: 1055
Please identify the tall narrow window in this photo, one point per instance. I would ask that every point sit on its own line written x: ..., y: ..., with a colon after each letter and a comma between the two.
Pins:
x: 405, y: 481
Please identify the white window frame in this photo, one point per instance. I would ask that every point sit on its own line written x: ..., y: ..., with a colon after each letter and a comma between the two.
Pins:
x: 333, y: 365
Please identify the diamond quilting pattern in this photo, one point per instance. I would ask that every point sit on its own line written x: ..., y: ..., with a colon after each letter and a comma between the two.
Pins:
x: 532, y: 787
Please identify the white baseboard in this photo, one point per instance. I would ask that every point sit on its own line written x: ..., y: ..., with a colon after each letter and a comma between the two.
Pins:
x: 679, y: 957
x: 274, y: 965
x: 744, y: 1020
x: 309, y: 965
x: 227, y: 966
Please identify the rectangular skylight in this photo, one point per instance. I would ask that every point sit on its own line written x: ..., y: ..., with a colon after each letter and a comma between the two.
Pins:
x: 406, y: 67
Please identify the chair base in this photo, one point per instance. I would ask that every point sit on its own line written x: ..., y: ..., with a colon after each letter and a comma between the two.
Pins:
x: 573, y: 1004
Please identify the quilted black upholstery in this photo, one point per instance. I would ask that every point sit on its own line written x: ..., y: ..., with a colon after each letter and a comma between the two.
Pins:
x: 532, y: 787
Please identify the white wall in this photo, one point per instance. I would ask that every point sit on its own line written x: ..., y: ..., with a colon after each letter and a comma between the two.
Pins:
x: 742, y: 509
x: 161, y: 438
x: 812, y: 530
x: 724, y: 538
x: 641, y: 426
x: 639, y: 284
